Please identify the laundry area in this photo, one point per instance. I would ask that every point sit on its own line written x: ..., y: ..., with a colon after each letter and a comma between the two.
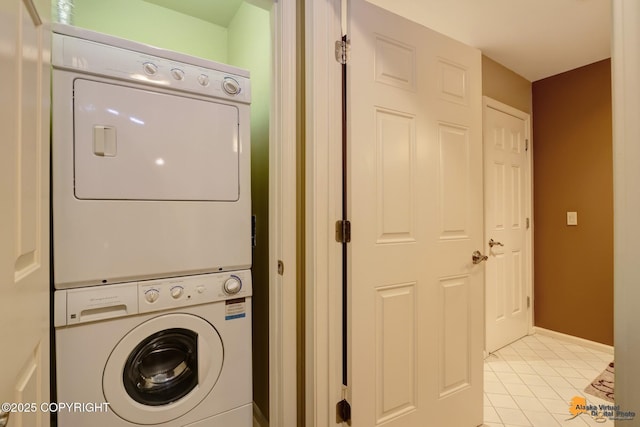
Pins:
x: 299, y: 212
x: 159, y: 192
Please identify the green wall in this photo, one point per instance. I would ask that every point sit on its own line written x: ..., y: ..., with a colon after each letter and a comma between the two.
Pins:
x: 155, y: 25
x: 250, y: 47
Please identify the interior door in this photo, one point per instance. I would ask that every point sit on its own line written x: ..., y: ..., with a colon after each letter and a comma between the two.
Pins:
x: 24, y: 210
x: 416, y: 304
x: 507, y: 180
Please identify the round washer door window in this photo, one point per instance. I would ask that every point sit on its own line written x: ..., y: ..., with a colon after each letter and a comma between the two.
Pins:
x: 163, y: 368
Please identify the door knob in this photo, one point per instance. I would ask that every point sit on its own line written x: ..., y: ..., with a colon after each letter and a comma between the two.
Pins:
x: 493, y: 243
x: 477, y: 257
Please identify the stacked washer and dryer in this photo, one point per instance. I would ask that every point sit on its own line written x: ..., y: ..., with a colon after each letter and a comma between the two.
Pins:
x: 151, y: 235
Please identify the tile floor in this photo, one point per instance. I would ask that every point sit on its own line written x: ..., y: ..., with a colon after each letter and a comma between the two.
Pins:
x: 532, y: 381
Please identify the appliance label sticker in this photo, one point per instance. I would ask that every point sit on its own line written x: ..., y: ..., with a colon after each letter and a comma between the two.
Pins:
x: 235, y: 309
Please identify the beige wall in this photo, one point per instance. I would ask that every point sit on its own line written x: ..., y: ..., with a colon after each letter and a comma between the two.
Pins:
x: 573, y: 172
x: 504, y: 85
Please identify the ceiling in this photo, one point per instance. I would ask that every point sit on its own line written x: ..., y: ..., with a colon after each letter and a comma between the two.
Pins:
x: 534, y: 38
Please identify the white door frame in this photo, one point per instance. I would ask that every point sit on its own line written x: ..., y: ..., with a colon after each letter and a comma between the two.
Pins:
x: 488, y: 102
x: 323, y: 347
x: 282, y: 218
x: 626, y: 169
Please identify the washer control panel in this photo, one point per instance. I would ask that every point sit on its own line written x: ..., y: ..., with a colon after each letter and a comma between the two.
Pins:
x: 95, y: 303
x: 162, y: 294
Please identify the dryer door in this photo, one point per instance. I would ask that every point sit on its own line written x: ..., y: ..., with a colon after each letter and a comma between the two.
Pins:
x: 163, y: 368
x: 134, y: 144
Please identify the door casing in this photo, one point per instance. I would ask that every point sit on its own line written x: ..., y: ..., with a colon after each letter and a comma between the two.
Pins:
x: 488, y: 102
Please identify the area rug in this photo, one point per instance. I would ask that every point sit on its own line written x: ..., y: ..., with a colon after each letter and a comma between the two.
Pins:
x: 602, y: 386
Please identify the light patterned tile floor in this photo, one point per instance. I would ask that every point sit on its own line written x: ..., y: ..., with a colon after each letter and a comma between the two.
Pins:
x: 531, y: 382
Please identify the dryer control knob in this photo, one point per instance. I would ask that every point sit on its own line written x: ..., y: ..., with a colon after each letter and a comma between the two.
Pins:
x: 232, y: 286
x: 176, y: 292
x: 150, y: 68
x: 230, y: 86
x: 152, y: 295
x: 177, y: 74
x: 203, y: 79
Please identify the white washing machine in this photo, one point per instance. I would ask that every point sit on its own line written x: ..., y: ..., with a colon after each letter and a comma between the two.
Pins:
x: 170, y: 352
x: 150, y: 162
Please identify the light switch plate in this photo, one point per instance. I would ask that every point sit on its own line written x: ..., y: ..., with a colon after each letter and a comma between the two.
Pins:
x: 572, y: 218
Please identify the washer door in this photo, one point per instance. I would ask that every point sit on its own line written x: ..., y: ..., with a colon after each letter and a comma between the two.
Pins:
x: 163, y: 368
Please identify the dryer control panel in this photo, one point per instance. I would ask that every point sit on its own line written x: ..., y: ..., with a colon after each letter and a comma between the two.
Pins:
x: 110, y: 56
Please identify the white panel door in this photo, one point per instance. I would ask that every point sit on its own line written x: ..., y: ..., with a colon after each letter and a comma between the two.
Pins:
x: 24, y: 209
x: 415, y: 184
x: 507, y: 191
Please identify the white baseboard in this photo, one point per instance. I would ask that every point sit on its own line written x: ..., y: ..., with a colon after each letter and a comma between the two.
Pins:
x: 258, y: 417
x: 574, y: 340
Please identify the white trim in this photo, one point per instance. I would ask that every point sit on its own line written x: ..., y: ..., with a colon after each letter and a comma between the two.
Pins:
x: 323, y: 259
x: 282, y: 218
x: 488, y: 102
x: 574, y: 340
x: 626, y: 170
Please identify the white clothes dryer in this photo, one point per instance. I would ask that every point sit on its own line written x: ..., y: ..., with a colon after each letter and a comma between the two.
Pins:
x: 174, y: 352
x: 150, y: 162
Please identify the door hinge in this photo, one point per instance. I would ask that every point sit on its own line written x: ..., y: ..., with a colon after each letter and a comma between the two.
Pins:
x: 343, y: 231
x: 528, y: 222
x: 528, y: 302
x: 342, y: 51
x: 526, y: 145
x: 343, y: 412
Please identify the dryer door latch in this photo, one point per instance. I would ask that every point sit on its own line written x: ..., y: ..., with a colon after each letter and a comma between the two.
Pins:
x: 104, y: 141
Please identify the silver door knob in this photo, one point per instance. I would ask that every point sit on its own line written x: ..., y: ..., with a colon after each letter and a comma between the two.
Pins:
x: 493, y: 243
x: 477, y: 257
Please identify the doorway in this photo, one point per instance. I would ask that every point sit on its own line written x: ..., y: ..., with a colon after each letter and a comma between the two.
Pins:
x: 507, y: 227
x: 259, y: 35
x: 321, y: 32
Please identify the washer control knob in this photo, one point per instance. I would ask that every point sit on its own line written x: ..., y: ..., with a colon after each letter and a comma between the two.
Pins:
x: 230, y: 86
x: 176, y: 292
x: 203, y: 79
x: 177, y: 74
x: 150, y: 68
x: 232, y: 285
x: 152, y: 295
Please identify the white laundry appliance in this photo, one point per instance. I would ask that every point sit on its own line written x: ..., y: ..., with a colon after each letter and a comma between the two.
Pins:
x: 150, y: 162
x: 151, y: 235
x: 168, y: 352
